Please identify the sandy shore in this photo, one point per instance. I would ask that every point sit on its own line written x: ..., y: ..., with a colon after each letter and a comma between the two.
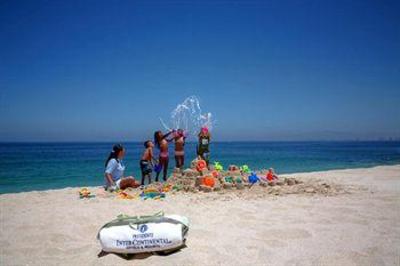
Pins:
x: 360, y: 226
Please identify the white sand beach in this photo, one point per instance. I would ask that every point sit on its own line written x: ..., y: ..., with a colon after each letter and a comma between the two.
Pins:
x: 358, y: 226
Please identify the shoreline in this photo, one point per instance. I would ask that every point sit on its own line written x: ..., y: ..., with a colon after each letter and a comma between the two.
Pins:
x: 238, y: 227
x: 260, y: 170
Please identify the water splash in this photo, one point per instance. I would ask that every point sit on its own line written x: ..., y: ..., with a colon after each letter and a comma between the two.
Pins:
x: 189, y: 117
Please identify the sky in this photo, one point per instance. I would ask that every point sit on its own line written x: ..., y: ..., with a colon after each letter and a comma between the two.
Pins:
x: 266, y: 70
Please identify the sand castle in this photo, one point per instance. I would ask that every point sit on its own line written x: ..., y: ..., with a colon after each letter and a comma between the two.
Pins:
x: 235, y: 179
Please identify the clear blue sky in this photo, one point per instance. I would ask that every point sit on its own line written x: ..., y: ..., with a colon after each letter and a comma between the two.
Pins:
x: 267, y: 70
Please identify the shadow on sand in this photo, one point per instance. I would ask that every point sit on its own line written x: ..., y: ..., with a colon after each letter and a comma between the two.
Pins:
x: 142, y: 256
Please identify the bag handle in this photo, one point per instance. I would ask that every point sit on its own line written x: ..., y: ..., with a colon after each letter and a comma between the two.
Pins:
x: 124, y: 216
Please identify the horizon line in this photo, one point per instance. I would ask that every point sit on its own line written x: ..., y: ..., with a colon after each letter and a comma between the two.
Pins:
x: 216, y: 141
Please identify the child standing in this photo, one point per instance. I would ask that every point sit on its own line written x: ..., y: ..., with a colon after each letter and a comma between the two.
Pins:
x: 179, y: 138
x: 204, y: 143
x: 161, y: 142
x: 146, y: 162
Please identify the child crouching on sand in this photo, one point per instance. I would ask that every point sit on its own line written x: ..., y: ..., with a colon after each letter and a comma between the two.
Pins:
x: 147, y: 161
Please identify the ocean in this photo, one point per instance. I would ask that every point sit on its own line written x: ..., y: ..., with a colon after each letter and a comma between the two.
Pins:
x: 41, y: 166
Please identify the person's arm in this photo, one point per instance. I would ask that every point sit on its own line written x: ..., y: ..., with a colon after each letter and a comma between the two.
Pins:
x: 153, y: 160
x: 112, y: 164
x: 169, y: 133
x: 109, y: 179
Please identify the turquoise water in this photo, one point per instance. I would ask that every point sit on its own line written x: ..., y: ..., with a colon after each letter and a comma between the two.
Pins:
x: 40, y: 166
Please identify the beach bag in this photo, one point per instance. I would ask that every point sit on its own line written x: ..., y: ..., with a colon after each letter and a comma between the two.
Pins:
x: 140, y: 234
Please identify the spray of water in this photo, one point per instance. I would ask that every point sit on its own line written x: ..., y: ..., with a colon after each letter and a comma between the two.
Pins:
x: 189, y: 117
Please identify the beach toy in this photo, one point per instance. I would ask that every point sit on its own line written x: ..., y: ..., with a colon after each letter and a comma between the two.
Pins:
x: 229, y: 179
x: 124, y: 195
x: 85, y: 193
x: 143, y: 234
x: 238, y: 180
x: 176, y: 187
x: 218, y: 166
x: 153, y: 192
x: 160, y: 196
x: 209, y: 181
x: 215, y: 173
x: 253, y: 178
x: 201, y: 165
x: 245, y: 169
x: 157, y: 168
x: 270, y: 176
x: 152, y: 195
x: 166, y: 188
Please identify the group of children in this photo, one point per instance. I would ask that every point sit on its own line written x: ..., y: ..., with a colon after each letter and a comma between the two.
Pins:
x: 114, y: 167
x: 148, y: 162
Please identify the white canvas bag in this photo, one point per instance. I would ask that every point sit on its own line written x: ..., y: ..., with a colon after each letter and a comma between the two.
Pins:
x: 139, y: 234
